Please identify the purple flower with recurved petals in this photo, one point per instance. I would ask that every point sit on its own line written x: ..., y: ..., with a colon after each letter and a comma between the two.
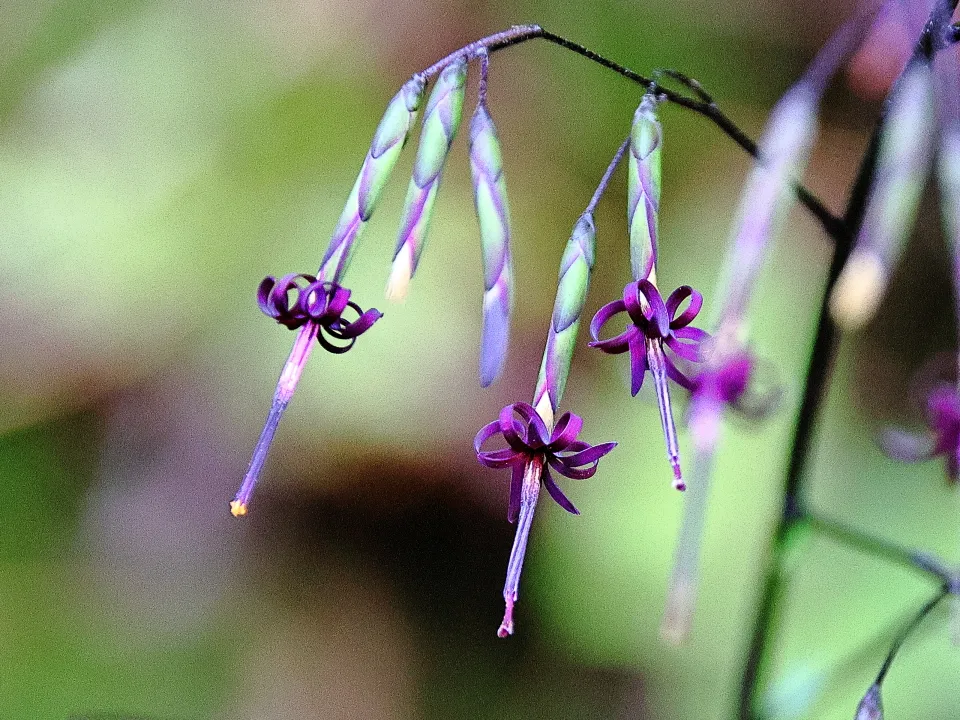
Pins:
x: 317, y: 310
x: 320, y: 302
x: 653, y: 323
x: 531, y: 451
x: 943, y: 419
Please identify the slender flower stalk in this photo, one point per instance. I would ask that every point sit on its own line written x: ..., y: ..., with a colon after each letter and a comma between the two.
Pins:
x: 902, y: 166
x: 441, y: 120
x: 490, y: 198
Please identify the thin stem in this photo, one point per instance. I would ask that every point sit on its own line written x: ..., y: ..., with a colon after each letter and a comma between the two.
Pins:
x: 484, y: 72
x: 605, y: 180
x: 832, y: 225
x: 870, y: 545
x: 908, y: 631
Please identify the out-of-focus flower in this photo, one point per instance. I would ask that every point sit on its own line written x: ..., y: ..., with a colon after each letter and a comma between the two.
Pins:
x: 870, y: 707
x: 903, y: 161
x: 943, y: 419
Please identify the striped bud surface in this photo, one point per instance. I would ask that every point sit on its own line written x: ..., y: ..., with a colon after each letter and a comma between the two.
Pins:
x: 643, y: 187
x: 575, y: 268
x: 441, y: 120
x: 903, y: 160
x: 388, y: 141
x: 490, y: 197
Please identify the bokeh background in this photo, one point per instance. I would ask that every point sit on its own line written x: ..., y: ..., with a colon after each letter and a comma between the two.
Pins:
x: 157, y: 159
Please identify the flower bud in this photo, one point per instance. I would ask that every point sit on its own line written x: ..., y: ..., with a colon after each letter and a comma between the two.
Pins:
x: 441, y: 120
x: 388, y: 140
x: 490, y: 197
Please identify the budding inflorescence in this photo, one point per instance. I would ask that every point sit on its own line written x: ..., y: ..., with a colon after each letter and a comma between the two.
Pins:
x: 655, y: 329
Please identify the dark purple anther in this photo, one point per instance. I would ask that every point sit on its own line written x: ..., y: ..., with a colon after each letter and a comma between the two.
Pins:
x: 317, y: 310
x: 653, y: 323
x: 530, y: 453
x: 943, y: 419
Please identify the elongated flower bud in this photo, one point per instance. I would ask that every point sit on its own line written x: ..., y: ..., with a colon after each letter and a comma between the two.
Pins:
x: 490, y: 196
x: 388, y: 141
x: 784, y: 150
x: 643, y: 188
x: 575, y: 268
x: 441, y: 120
x: 902, y: 163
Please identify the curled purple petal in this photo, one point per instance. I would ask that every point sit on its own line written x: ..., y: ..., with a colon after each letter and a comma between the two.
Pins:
x: 556, y: 493
x: 528, y: 441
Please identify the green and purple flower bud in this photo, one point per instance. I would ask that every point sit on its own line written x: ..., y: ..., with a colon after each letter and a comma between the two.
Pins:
x: 768, y: 195
x: 643, y: 187
x: 490, y: 196
x: 441, y: 120
x: 388, y: 141
x: 903, y: 160
x: 575, y: 268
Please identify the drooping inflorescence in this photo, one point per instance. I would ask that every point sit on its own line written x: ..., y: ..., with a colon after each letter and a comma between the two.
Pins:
x: 719, y: 369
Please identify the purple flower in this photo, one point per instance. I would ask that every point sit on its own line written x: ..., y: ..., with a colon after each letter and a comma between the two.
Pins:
x: 317, y: 311
x: 531, y: 451
x: 653, y: 323
x: 320, y: 302
x: 943, y: 419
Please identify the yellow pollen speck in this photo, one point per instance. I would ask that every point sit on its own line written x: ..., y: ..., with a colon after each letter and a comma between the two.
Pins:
x: 237, y: 508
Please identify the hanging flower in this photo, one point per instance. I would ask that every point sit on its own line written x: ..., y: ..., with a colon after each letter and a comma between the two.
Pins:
x: 317, y: 312
x: 531, y: 451
x: 653, y: 323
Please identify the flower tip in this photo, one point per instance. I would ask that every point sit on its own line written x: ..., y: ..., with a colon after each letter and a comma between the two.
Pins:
x: 506, y: 627
x: 859, y: 290
x: 237, y: 508
x: 678, y: 483
x: 400, y: 274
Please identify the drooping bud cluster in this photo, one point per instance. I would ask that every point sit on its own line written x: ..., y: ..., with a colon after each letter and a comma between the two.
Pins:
x: 441, y: 121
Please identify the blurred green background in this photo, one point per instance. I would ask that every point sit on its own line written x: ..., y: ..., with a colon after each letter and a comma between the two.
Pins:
x: 157, y: 159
